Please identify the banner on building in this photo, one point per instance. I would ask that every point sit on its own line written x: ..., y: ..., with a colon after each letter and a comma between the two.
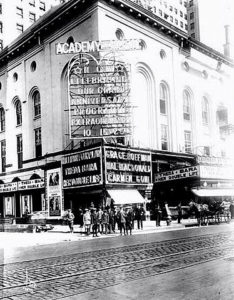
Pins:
x: 127, y: 166
x: 83, y: 168
x: 54, y: 192
x: 98, y: 93
x: 31, y: 184
x: 8, y: 187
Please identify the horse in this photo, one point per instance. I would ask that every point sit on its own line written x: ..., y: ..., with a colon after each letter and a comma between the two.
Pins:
x: 201, y: 212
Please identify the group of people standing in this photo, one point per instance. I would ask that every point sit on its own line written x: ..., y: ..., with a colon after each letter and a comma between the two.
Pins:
x: 104, y: 221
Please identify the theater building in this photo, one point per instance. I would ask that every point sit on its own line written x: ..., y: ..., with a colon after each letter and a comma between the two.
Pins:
x: 98, y: 99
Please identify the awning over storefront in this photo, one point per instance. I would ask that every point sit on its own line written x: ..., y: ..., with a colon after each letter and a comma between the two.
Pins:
x: 123, y: 197
x: 213, y: 192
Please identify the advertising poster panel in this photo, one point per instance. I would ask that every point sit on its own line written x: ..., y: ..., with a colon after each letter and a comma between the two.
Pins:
x: 127, y: 166
x: 9, y: 206
x: 83, y: 168
x: 54, y: 192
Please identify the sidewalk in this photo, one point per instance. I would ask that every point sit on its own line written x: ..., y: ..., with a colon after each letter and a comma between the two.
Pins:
x: 11, y: 240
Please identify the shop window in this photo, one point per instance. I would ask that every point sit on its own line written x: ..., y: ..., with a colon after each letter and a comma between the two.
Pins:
x: 205, y: 111
x: 163, y: 99
x: 19, y: 141
x: 186, y: 106
x: 38, y: 146
x: 2, y: 119
x: 18, y: 110
x: 3, y: 155
x: 36, y: 104
x: 188, y: 141
x: 164, y: 137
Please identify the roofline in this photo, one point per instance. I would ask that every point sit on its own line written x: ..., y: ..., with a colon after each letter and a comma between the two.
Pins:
x: 61, y: 12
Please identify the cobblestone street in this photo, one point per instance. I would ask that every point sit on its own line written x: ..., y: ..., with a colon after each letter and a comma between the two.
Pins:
x: 100, y: 264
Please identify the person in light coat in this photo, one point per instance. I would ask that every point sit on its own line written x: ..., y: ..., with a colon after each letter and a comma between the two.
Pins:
x: 87, y: 221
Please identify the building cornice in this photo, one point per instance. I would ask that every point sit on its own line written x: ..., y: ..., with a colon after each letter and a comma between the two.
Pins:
x: 63, y: 14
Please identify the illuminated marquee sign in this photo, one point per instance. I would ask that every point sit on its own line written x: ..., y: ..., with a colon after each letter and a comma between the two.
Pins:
x: 97, y: 46
x: 177, y: 174
x: 83, y: 168
x: 98, y: 92
x: 127, y: 166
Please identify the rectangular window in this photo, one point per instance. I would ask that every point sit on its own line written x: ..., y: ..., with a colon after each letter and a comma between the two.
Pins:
x: 1, y: 27
x: 32, y: 17
x: 38, y: 146
x: 192, y: 26
x: 191, y: 15
x: 19, y: 12
x: 3, y: 155
x: 186, y: 27
x: 171, y: 8
x: 164, y: 137
x: 176, y: 21
x: 185, y: 16
x: 188, y: 141
x: 42, y: 5
x: 193, y: 35
x: 160, y: 12
x: 176, y: 11
x: 32, y: 2
x: 171, y: 18
x: 20, y: 151
x: 181, y: 14
x: 181, y: 24
x: 1, y: 45
x: 0, y: 8
x: 20, y: 28
x: 206, y: 150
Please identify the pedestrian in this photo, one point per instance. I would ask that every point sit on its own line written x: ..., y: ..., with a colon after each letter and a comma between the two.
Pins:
x: 129, y: 220
x: 111, y: 221
x: 122, y: 220
x: 158, y: 215
x: 94, y: 221
x: 105, y: 221
x: 70, y: 220
x: 99, y: 220
x: 140, y: 217
x: 179, y: 209
x: 87, y: 221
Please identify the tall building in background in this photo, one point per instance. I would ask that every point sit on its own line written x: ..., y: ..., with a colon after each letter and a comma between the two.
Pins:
x: 193, y: 19
x: 17, y: 15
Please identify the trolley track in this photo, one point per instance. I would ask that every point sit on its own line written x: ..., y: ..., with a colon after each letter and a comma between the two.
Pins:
x: 74, y: 274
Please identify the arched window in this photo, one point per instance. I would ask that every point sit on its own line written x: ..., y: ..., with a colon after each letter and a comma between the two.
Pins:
x: 163, y: 98
x: 36, y: 104
x: 18, y: 110
x: 2, y: 119
x: 205, y: 111
x: 186, y: 105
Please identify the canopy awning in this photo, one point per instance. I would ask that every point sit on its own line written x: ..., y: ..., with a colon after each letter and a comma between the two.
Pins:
x: 213, y: 192
x: 124, y: 197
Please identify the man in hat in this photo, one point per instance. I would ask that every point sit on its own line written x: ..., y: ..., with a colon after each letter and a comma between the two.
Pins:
x: 94, y: 221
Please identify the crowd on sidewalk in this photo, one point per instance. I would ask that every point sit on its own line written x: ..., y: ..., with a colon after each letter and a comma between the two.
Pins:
x: 106, y: 221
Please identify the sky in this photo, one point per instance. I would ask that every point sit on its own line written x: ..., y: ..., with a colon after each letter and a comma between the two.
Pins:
x: 214, y: 14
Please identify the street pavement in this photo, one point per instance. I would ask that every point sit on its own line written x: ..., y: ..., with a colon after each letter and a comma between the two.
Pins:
x: 61, y: 233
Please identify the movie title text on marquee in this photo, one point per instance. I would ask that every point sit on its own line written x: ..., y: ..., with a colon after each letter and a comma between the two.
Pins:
x: 82, y: 168
x: 177, y: 174
x: 127, y: 166
x: 99, y: 103
x: 31, y: 184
